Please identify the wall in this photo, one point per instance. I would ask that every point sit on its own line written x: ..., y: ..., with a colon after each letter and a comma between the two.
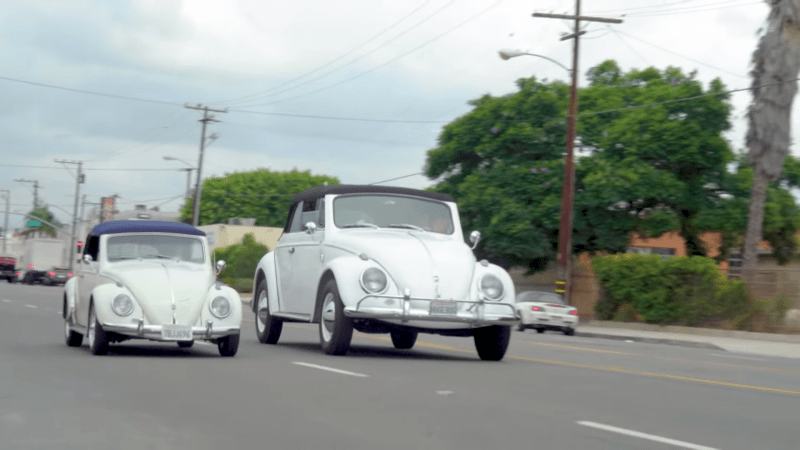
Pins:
x: 220, y: 236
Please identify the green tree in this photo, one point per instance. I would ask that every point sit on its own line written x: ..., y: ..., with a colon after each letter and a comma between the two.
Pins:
x: 261, y: 194
x: 650, y: 169
x: 241, y: 261
x: 46, y: 222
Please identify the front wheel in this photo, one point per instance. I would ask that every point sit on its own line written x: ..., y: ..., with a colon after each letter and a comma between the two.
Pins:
x: 98, y: 339
x: 335, y: 329
x: 268, y: 327
x: 228, y: 345
x: 71, y: 338
x: 492, y: 342
x: 569, y: 331
x: 404, y: 339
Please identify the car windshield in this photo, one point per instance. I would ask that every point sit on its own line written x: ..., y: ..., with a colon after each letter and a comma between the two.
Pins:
x: 541, y: 297
x: 148, y: 246
x: 390, y: 211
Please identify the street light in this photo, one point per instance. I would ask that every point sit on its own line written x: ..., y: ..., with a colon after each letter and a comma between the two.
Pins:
x: 188, y: 171
x: 563, y: 276
x: 507, y: 54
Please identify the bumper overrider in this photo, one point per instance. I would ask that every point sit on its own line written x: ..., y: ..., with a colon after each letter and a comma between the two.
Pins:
x: 139, y: 329
x: 407, y: 308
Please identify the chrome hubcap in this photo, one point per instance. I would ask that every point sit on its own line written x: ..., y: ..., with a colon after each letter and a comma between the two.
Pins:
x: 328, y: 317
x: 90, y: 334
x: 263, y: 312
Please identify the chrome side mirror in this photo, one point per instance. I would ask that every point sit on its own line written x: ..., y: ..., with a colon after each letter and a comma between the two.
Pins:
x: 311, y: 227
x: 474, y: 238
x: 88, y: 258
x: 220, y: 266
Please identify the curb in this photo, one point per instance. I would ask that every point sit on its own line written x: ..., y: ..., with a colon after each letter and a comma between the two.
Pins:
x: 676, y: 342
x: 696, y: 331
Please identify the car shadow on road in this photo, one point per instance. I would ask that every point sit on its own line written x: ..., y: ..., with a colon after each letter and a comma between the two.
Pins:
x: 162, y: 351
x: 372, y: 351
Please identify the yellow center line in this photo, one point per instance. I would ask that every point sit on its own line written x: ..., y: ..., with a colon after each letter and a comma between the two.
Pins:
x: 585, y: 349
x: 655, y: 375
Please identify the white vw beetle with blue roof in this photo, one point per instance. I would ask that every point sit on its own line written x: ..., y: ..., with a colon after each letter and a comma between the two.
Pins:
x: 380, y: 259
x: 149, y: 280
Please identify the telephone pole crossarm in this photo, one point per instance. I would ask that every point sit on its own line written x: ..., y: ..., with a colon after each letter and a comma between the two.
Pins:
x: 580, y: 18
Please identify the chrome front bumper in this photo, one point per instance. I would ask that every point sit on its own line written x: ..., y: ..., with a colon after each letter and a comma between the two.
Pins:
x: 153, y: 332
x: 409, y: 308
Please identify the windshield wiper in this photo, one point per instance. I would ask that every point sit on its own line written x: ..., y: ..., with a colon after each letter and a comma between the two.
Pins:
x: 163, y: 257
x: 405, y: 225
x: 361, y: 225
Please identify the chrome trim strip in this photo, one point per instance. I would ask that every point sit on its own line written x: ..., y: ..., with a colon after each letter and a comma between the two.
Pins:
x: 154, y: 331
x: 171, y: 291
x: 479, y: 317
x: 299, y: 317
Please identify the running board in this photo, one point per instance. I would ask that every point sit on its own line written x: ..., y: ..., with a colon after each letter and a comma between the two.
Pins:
x: 290, y: 317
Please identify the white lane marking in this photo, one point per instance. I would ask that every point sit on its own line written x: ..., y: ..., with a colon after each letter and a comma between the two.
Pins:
x: 6, y: 301
x: 737, y: 356
x: 330, y: 369
x: 32, y: 306
x: 650, y: 437
x: 445, y: 392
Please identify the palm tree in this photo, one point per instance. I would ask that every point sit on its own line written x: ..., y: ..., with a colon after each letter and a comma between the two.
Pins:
x: 776, y: 63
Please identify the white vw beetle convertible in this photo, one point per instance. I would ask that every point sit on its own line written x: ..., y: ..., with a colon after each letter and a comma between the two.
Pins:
x: 381, y: 260
x: 149, y: 280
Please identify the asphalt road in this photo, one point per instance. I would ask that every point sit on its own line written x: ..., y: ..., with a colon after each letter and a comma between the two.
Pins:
x: 550, y: 392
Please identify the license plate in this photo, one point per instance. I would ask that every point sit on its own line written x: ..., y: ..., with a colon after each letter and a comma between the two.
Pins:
x: 176, y: 333
x: 444, y: 308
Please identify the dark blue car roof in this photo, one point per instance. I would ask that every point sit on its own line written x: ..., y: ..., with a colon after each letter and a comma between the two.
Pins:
x: 145, y: 226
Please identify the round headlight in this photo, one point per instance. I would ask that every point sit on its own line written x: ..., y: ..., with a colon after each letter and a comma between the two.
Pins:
x: 220, y: 307
x: 373, y: 280
x: 122, y: 305
x: 491, y: 286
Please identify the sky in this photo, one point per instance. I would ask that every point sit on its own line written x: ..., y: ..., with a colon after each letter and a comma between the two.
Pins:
x: 355, y: 89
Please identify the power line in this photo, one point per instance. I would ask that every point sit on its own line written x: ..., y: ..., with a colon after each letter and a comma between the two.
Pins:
x: 678, y: 54
x: 345, y: 54
x: 691, y: 10
x: 482, y: 12
x: 356, y: 119
x: 82, y: 91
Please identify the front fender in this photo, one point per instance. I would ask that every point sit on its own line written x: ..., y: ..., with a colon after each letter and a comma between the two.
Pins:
x: 234, y: 319
x: 70, y: 289
x: 266, y: 267
x: 347, y: 271
x: 482, y: 268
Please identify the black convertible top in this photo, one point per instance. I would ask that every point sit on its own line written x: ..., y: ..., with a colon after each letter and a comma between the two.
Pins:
x: 321, y: 191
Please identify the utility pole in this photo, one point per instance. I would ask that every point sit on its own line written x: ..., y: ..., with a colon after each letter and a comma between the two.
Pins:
x: 206, y: 118
x: 78, y: 180
x: 564, y: 273
x: 5, y: 227
x: 35, y: 190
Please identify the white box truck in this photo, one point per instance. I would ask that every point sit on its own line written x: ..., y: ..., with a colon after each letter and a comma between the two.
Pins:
x: 40, y: 257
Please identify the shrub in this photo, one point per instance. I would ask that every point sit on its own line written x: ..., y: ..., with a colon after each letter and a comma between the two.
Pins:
x: 682, y: 290
x: 241, y: 261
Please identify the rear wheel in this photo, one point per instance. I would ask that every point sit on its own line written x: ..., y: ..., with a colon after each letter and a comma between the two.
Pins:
x: 540, y: 330
x: 492, y: 342
x: 228, y: 345
x: 98, y: 339
x: 520, y: 327
x: 404, y: 339
x: 268, y: 327
x: 335, y: 329
x: 569, y: 331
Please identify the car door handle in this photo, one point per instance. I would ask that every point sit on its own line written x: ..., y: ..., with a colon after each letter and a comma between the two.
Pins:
x: 291, y: 250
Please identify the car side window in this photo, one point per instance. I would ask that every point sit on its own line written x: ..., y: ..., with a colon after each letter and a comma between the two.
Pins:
x: 92, y: 247
x: 313, y: 212
x: 296, y: 223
